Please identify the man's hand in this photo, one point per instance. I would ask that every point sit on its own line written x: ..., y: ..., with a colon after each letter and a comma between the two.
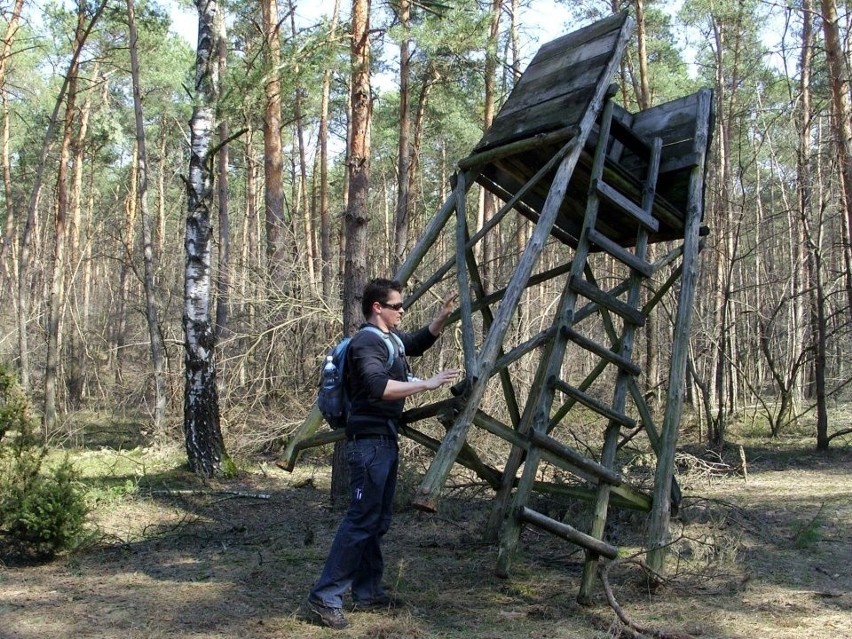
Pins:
x: 447, y: 307
x: 444, y: 377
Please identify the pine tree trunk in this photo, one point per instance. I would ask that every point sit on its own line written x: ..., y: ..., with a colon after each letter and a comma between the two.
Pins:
x: 75, y: 360
x: 7, y: 242
x: 404, y: 155
x: 842, y: 112
x: 223, y: 279
x: 151, y: 311
x: 357, y: 213
x: 324, y: 212
x: 57, y: 289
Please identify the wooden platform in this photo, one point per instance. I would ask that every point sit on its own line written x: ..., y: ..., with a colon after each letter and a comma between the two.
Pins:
x: 542, y: 114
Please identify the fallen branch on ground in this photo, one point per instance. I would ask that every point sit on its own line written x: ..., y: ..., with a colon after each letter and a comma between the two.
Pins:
x: 638, y: 631
x: 229, y: 493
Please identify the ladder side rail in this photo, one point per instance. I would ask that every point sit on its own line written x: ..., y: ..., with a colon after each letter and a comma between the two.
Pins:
x: 540, y: 402
x: 621, y: 385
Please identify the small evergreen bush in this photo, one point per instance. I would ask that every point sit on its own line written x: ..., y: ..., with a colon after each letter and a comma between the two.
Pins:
x: 42, y: 510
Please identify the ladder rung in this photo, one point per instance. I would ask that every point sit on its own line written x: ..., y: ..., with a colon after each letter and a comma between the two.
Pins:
x: 603, y: 352
x: 632, y: 315
x: 567, y: 532
x: 635, y: 211
x: 584, y: 463
x: 595, y: 405
x: 620, y: 253
x: 624, y: 134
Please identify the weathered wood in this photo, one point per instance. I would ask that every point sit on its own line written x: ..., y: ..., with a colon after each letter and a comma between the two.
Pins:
x: 608, y: 301
x: 436, y: 475
x: 624, y: 495
x: 568, y: 533
x: 563, y: 111
x: 622, y: 381
x: 596, y: 405
x: 542, y: 395
x: 621, y: 254
x: 585, y: 35
x: 296, y: 442
x: 555, y: 82
x: 660, y: 513
x: 602, y: 473
x: 617, y: 199
x: 540, y: 139
x: 627, y: 365
x: 467, y: 457
x: 430, y: 235
x: 468, y: 343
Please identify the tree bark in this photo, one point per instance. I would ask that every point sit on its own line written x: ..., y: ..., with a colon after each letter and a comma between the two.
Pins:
x: 272, y: 160
x: 404, y: 156
x: 57, y: 289
x: 324, y: 212
x: 842, y: 112
x: 7, y: 241
x: 488, y: 202
x: 151, y: 311
x: 75, y: 360
x: 32, y: 212
x: 205, y: 447
x: 357, y: 213
x: 223, y: 273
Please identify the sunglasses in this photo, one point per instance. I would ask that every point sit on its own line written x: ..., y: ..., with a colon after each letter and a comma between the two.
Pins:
x: 396, y: 307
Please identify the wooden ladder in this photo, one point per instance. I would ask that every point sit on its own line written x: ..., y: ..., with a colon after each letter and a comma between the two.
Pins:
x: 537, y: 423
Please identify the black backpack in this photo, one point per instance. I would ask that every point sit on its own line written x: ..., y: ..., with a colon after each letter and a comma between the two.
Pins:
x: 332, y: 400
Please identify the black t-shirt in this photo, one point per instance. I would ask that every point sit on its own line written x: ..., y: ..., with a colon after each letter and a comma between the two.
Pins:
x: 367, y: 376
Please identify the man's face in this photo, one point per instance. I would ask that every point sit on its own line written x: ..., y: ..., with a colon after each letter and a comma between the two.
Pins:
x: 391, y: 311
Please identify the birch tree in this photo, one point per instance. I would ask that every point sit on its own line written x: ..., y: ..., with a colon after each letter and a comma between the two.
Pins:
x: 205, y: 447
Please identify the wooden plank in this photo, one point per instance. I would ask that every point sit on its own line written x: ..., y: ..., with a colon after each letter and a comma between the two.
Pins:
x: 658, y: 528
x: 536, y: 141
x: 590, y: 402
x: 583, y: 36
x: 621, y: 254
x: 595, y: 546
x: 296, y: 445
x: 629, y: 138
x: 602, y: 473
x: 564, y: 111
x: 606, y: 192
x: 564, y: 60
x: 468, y: 341
x: 627, y: 365
x: 558, y: 83
x: 618, y: 307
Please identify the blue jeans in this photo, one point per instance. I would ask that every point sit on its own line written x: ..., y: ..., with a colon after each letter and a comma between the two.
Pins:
x: 355, y: 559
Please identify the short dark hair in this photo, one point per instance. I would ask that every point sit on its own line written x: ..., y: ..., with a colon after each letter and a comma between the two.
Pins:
x: 378, y: 290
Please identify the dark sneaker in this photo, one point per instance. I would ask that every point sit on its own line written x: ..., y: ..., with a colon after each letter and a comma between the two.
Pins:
x: 382, y: 602
x: 331, y: 617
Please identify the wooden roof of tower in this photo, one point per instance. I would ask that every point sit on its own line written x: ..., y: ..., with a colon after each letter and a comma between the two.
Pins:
x: 543, y: 112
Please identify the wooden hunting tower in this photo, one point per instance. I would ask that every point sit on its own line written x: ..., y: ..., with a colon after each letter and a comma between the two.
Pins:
x: 595, y: 185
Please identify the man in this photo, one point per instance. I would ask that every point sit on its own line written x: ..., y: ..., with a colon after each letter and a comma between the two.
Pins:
x: 377, y: 398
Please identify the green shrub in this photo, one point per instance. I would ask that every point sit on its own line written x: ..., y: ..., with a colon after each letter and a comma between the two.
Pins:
x: 42, y: 510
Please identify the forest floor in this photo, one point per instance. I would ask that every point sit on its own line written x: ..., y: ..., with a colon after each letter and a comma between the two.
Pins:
x: 756, y: 556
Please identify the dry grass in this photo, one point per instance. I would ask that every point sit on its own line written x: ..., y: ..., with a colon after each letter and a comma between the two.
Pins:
x: 766, y: 557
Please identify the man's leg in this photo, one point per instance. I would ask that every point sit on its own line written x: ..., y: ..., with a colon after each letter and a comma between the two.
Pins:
x: 369, y: 466
x: 367, y: 582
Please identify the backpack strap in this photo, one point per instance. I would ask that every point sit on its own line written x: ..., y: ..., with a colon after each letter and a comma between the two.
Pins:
x: 391, y: 341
